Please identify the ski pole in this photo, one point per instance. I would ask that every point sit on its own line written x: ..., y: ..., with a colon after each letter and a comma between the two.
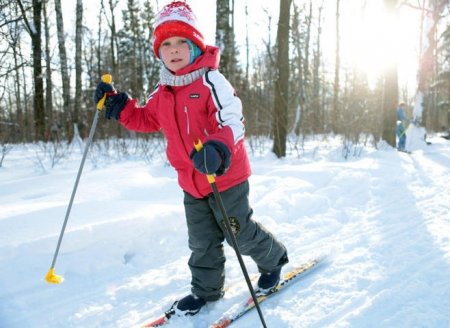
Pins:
x: 51, y: 277
x: 212, y: 181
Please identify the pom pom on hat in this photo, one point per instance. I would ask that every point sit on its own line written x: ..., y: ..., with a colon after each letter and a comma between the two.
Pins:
x: 176, y: 19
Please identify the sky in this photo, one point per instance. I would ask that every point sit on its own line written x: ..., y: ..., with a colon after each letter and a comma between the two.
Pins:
x: 381, y: 219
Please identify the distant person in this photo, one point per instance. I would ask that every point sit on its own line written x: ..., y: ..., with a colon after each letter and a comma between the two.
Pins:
x: 402, y: 124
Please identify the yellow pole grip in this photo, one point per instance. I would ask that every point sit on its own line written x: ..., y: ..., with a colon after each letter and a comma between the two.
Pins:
x: 106, y: 78
x: 198, y: 145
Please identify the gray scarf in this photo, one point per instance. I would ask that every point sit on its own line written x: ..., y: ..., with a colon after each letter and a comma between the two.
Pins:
x: 168, y: 78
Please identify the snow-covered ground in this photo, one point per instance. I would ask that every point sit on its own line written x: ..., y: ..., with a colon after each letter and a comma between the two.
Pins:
x: 382, y: 218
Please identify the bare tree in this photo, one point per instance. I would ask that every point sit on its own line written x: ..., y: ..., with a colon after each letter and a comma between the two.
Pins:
x: 282, y: 81
x: 390, y: 88
x: 111, y: 20
x: 48, y: 70
x: 335, y: 112
x: 34, y: 30
x: 431, y: 15
x: 78, y: 68
x: 316, y: 106
x: 225, y: 38
x: 63, y: 64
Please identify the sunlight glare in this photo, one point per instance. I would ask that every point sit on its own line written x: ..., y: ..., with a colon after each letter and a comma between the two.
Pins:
x: 372, y: 40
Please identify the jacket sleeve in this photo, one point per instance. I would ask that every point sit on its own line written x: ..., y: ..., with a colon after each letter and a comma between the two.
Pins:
x: 141, y: 119
x: 226, y: 108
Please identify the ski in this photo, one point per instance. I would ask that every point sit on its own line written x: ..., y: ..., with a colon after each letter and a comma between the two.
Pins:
x: 161, y: 321
x: 164, y: 319
x: 238, y: 310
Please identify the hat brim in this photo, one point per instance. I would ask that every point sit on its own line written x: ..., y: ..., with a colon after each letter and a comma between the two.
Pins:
x: 176, y: 28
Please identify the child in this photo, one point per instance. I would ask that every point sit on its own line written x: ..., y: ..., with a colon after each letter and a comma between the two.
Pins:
x: 192, y: 102
x: 402, y: 124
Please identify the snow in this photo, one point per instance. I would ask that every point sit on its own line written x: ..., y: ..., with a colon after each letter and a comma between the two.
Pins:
x: 381, y: 218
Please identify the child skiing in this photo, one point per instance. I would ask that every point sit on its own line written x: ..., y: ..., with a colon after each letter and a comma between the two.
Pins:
x: 193, y: 101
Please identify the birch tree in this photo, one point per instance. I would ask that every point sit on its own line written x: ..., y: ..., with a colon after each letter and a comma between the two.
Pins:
x: 225, y: 38
x: 63, y: 63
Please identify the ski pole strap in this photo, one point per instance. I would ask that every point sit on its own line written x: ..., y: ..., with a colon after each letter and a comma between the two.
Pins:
x: 198, y: 145
x: 106, y: 78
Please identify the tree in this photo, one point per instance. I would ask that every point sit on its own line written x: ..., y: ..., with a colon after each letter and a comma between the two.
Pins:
x: 11, y: 37
x: 63, y: 64
x: 316, y: 106
x: 442, y: 86
x: 48, y: 70
x: 390, y: 88
x: 34, y: 30
x: 280, y: 110
x: 298, y: 67
x: 337, y: 69
x: 78, y: 68
x: 111, y: 20
x: 150, y: 64
x: 431, y: 12
x: 131, y: 50
x: 225, y: 39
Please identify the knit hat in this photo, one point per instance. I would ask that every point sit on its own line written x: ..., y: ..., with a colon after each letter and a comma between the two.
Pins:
x: 176, y: 19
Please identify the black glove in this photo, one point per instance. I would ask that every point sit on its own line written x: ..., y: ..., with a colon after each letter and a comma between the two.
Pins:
x: 102, y: 89
x: 114, y: 103
x: 213, y: 158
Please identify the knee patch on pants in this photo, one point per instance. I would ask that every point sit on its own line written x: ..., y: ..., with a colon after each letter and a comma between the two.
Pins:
x: 234, y: 224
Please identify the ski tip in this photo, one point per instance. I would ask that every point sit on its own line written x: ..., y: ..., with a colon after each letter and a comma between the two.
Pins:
x: 161, y: 321
x: 324, y: 257
x: 221, y: 324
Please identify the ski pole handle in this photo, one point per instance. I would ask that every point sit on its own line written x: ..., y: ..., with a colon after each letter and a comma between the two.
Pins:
x: 198, y: 145
x: 106, y: 78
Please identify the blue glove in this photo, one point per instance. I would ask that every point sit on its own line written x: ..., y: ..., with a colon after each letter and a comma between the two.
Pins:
x: 114, y: 103
x: 213, y: 158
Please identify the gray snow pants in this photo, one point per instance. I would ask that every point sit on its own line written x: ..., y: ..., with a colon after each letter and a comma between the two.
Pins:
x: 207, y: 232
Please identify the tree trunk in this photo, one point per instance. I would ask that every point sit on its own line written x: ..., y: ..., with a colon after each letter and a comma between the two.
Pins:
x: 64, y: 67
x: 48, y: 72
x: 34, y: 30
x: 316, y: 105
x: 77, y: 118
x: 113, y: 41
x: 225, y: 39
x: 428, y: 60
x: 247, y: 45
x: 299, y: 63
x: 335, y: 112
x: 39, y: 111
x: 282, y: 81
x: 15, y: 47
x: 390, y: 91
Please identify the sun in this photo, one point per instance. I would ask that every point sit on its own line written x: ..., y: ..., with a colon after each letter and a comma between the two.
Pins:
x: 371, y: 39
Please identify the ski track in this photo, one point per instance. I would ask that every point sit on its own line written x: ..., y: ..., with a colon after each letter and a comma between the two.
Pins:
x: 388, y: 256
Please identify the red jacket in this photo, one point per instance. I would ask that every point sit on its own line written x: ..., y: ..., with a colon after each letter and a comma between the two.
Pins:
x: 206, y: 109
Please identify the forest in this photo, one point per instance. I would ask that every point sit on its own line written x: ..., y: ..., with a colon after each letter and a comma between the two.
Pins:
x: 292, y: 88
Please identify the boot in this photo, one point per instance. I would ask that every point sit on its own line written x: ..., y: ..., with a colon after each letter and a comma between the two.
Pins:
x: 268, y: 281
x: 188, y: 305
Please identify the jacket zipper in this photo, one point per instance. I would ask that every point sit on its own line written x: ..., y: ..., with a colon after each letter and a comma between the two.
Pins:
x: 187, y: 120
